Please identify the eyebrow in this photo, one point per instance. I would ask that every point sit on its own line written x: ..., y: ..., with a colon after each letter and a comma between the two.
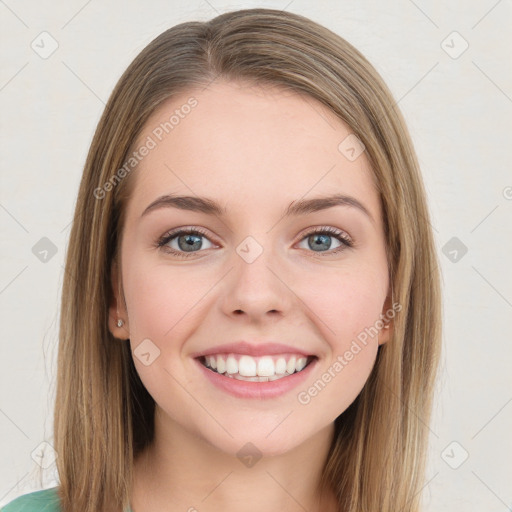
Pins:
x: 211, y: 207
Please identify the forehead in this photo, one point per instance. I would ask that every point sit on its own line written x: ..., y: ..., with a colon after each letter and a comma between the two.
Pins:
x: 244, y: 143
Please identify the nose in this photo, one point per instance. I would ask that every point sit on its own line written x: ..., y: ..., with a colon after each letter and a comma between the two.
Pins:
x: 256, y: 290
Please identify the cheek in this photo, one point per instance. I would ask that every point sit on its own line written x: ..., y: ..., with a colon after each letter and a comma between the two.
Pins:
x: 164, y: 305
x: 345, y: 303
x: 347, y: 306
x: 162, y: 301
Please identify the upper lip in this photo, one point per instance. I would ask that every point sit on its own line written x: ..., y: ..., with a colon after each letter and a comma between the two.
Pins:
x: 252, y: 349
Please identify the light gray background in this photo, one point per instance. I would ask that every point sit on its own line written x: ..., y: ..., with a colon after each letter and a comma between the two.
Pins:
x: 459, y: 112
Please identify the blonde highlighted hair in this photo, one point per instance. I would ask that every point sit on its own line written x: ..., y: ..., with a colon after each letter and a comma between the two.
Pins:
x: 103, y: 413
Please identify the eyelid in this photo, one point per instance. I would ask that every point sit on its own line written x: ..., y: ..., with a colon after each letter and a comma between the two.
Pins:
x: 187, y: 228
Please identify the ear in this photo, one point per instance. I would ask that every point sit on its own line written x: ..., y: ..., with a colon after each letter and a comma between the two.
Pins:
x: 117, y: 310
x: 387, y: 329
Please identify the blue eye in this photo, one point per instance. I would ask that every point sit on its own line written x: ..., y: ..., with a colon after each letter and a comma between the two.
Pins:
x: 188, y: 240
x: 183, y: 242
x: 320, y: 238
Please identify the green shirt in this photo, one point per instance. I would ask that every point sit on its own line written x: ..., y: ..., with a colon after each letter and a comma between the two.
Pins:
x: 38, y: 501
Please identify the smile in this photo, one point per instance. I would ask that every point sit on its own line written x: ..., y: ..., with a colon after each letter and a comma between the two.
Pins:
x: 256, y: 369
x: 263, y: 377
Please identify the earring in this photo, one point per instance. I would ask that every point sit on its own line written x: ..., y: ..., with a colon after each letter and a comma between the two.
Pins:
x: 120, y: 322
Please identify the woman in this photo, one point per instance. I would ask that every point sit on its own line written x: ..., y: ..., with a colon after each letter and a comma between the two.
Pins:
x: 251, y: 308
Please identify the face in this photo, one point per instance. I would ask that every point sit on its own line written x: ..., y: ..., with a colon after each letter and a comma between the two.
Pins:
x: 257, y: 284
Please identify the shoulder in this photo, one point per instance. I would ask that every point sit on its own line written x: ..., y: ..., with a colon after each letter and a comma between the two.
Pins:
x: 46, y: 500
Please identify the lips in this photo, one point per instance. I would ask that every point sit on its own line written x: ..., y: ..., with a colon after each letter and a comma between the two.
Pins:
x: 255, y: 370
x: 259, y: 388
x: 253, y: 349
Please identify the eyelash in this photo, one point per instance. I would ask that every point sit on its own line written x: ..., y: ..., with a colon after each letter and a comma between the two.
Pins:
x: 336, y: 233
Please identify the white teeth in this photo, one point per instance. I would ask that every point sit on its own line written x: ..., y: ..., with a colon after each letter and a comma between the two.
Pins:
x: 266, y: 367
x: 221, y: 364
x: 231, y: 365
x: 290, y: 367
x: 256, y: 369
x: 246, y: 367
x: 280, y: 366
x: 300, y: 364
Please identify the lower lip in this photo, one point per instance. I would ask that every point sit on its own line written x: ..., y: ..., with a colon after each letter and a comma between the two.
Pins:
x: 259, y: 390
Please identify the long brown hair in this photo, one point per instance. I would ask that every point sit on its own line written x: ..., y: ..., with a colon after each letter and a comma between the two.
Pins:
x: 103, y: 413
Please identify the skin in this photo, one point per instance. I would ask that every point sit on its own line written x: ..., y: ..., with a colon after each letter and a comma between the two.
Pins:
x: 254, y: 149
